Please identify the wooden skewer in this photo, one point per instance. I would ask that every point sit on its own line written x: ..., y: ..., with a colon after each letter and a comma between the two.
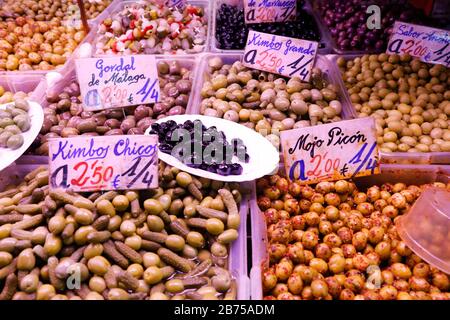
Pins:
x: 83, y: 16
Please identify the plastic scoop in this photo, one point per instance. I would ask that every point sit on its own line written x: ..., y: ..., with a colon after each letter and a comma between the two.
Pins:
x: 426, y: 228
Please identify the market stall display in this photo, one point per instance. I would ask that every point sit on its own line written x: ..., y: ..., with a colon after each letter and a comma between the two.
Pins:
x: 27, y: 44
x: 64, y: 115
x: 348, y: 22
x: 338, y: 240
x: 20, y: 123
x: 214, y: 148
x: 8, y: 96
x: 168, y: 243
x: 150, y: 28
x: 231, y: 31
x: 43, y: 10
x: 266, y: 102
x: 409, y: 99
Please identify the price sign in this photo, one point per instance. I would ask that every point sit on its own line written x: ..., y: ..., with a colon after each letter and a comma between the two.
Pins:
x: 334, y: 151
x: 428, y: 44
x: 282, y: 55
x: 117, y: 81
x: 257, y: 11
x: 104, y: 163
x: 176, y: 3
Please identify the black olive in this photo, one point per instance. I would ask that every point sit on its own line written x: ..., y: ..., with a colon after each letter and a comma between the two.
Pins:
x: 223, y: 169
x: 236, y: 169
x: 166, y: 148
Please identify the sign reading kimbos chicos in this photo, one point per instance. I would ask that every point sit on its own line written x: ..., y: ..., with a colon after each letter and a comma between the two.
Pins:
x: 117, y: 81
x: 257, y: 11
x: 328, y: 152
x: 104, y: 163
x: 428, y: 44
x: 286, y: 56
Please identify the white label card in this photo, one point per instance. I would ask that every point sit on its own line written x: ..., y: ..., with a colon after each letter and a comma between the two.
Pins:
x: 104, y: 163
x: 262, y: 11
x: 282, y: 55
x: 333, y: 151
x: 115, y: 82
x: 428, y: 44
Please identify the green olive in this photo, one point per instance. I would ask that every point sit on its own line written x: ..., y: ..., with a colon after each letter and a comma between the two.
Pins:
x: 153, y: 275
x: 151, y: 259
x: 98, y: 265
x: 155, y: 223
x: 183, y: 179
x: 5, y: 258
x: 214, y: 226
x: 153, y: 206
x: 105, y: 207
x: 174, y: 286
x: 120, y: 202
x: 15, y: 142
x: 195, y: 239
x: 175, y: 242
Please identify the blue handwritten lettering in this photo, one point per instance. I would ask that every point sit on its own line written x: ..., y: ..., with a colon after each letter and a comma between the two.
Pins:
x: 278, y: 3
x: 272, y: 44
x: 435, y: 37
x: 114, y: 67
x: 90, y: 153
x: 408, y: 31
x: 123, y: 148
x: 290, y: 47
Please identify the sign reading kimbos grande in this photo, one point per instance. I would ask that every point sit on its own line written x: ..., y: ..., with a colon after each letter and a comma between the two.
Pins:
x: 257, y: 11
x: 120, y: 81
x: 286, y: 56
x: 104, y: 163
x: 428, y: 44
x: 334, y: 151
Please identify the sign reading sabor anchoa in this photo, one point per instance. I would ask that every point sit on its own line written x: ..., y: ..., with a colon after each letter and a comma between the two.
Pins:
x: 286, y: 56
x: 104, y: 163
x: 117, y: 81
x: 257, y: 11
x: 428, y: 44
x: 334, y: 151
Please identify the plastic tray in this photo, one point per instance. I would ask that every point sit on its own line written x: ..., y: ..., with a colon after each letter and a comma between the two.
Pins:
x: 88, y: 39
x: 21, y: 82
x: 237, y: 262
x: 118, y: 5
x: 393, y: 157
x: 321, y: 61
x: 89, y: 20
x: 324, y: 37
x: 69, y: 74
x: 412, y: 174
x: 329, y: 37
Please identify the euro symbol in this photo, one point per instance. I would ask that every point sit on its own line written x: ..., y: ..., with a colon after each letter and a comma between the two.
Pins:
x: 116, y: 182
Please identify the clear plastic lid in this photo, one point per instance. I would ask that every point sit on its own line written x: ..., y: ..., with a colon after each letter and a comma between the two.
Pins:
x: 426, y: 228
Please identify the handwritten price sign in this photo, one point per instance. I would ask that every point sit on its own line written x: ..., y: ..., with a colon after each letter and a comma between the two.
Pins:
x: 332, y: 151
x: 117, y: 81
x: 428, y: 44
x: 104, y: 163
x: 176, y: 3
x: 257, y: 11
x: 282, y: 55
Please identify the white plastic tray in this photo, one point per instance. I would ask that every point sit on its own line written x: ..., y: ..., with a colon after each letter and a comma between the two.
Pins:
x: 409, y: 174
x: 257, y: 147
x: 36, y: 114
x: 237, y: 262
x: 324, y: 38
x: 391, y: 157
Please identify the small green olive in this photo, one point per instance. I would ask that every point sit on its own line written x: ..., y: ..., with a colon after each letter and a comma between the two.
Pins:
x: 214, y: 226
x: 175, y: 242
